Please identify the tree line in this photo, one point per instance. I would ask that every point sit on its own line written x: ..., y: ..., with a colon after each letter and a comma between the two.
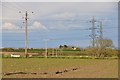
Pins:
x: 103, y: 48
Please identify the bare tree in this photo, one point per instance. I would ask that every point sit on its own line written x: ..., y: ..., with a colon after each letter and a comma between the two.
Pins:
x: 103, y: 46
x: 105, y: 43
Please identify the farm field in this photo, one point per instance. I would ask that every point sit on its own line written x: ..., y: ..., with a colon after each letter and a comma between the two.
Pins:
x: 60, y: 68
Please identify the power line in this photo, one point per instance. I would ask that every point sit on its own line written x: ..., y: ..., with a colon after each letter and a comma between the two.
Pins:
x: 55, y: 29
x: 9, y: 8
x: 51, y: 39
x: 70, y: 21
x: 14, y: 6
x: 18, y: 6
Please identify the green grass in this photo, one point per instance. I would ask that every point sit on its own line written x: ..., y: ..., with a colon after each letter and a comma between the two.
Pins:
x: 89, y: 67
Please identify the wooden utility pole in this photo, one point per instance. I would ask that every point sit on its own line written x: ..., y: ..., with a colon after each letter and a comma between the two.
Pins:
x: 26, y: 33
x: 46, y: 50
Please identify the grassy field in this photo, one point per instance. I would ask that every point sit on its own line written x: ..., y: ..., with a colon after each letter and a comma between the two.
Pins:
x: 88, y: 68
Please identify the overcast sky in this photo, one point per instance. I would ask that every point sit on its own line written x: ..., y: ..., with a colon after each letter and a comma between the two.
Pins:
x: 60, y: 22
